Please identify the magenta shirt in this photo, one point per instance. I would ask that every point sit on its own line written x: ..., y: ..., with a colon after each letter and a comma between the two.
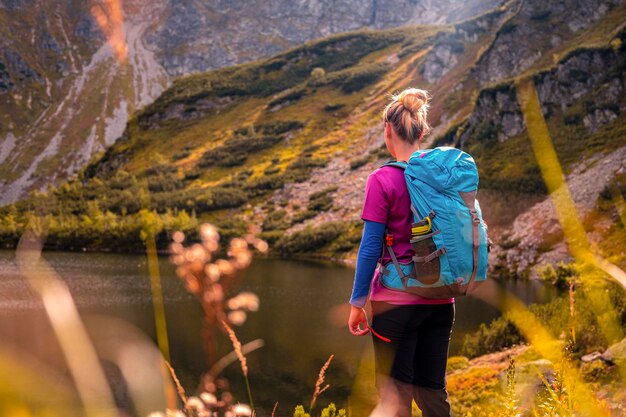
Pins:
x: 387, y: 201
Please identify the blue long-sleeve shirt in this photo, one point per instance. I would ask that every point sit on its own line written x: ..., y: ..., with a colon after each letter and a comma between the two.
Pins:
x: 367, y: 258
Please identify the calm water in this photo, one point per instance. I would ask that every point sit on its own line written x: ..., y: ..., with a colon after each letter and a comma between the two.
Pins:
x: 301, y: 320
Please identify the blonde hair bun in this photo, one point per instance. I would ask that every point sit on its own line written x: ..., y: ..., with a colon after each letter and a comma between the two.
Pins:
x: 408, y: 114
x: 413, y: 99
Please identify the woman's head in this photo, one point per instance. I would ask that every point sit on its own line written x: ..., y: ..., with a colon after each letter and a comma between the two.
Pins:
x: 407, y: 115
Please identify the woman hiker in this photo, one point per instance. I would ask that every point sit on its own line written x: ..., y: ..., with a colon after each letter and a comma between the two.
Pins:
x: 411, y: 334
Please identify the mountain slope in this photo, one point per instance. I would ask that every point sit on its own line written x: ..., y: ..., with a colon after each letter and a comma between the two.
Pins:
x: 286, y: 143
x: 64, y: 97
x: 75, y: 100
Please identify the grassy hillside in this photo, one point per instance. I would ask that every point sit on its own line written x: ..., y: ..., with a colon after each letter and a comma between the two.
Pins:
x: 286, y: 143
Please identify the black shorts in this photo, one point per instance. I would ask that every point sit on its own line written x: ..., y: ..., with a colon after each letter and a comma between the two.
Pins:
x: 411, y: 342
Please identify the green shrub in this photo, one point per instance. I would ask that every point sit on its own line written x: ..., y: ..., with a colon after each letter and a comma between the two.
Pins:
x: 247, y: 140
x: 541, y: 15
x: 265, y: 184
x: 318, y: 73
x: 271, y: 236
x: 456, y: 363
x: 354, y: 78
x: 485, y: 131
x: 277, y: 220
x: 359, y: 162
x: 287, y: 96
x: 509, y: 244
x: 300, y: 169
x: 498, y: 335
x: 597, y: 371
x: 271, y: 170
x: 349, y: 239
x: 181, y: 155
x: 321, y: 200
x: 330, y: 411
x: 301, y: 216
x: 330, y: 107
x: 310, y: 239
x: 559, y: 275
x: 192, y: 175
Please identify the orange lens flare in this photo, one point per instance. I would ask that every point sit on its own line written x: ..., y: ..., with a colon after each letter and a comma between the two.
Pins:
x: 110, y: 17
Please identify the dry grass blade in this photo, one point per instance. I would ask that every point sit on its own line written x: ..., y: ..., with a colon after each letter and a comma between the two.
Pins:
x: 237, y: 347
x: 320, y: 381
x: 179, y: 387
x: 242, y: 360
x: 274, y: 410
x: 219, y: 366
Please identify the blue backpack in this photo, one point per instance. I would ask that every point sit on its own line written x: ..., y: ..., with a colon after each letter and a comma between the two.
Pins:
x: 449, y: 236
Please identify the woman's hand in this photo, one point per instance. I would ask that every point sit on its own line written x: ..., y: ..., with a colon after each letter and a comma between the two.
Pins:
x: 358, y: 316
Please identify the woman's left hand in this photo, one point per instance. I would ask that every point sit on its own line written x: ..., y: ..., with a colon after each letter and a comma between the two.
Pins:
x: 358, y: 316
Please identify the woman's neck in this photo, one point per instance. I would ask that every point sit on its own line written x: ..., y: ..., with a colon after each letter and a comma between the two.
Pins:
x: 405, y: 150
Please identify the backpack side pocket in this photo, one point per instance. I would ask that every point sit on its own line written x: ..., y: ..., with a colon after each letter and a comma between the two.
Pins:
x: 426, y: 260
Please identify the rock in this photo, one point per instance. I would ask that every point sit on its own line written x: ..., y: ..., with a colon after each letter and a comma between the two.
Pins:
x: 441, y: 59
x: 594, y: 356
x: 539, y: 223
x: 528, y: 373
x: 198, y: 36
x: 19, y: 69
x: 594, y: 120
x: 496, y: 115
x: 502, y: 61
x: 616, y: 353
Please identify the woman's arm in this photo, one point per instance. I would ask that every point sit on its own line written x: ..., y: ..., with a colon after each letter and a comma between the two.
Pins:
x: 369, y: 253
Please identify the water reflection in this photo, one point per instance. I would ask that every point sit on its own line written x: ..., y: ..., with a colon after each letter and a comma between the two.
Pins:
x: 293, y: 320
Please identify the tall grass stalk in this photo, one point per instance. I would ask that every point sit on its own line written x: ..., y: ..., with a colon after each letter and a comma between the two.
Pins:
x: 320, y: 380
x: 180, y: 389
x: 572, y: 310
x: 242, y: 359
x: 510, y: 402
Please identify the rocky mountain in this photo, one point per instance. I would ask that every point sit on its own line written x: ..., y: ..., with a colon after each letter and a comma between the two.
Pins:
x: 222, y: 33
x: 72, y: 72
x: 286, y: 143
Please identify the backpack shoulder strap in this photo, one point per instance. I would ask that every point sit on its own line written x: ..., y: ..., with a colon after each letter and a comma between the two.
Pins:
x: 398, y: 164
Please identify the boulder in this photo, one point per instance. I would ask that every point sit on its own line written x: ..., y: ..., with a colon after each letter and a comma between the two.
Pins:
x: 616, y: 353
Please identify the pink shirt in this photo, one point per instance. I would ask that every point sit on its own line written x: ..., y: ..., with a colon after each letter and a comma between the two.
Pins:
x: 387, y: 201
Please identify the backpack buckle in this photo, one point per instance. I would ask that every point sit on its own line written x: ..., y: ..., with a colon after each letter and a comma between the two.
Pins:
x: 389, y: 240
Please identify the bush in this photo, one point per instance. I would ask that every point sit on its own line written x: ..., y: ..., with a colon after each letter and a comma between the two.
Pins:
x: 301, y: 216
x: 300, y: 169
x: 265, y: 184
x: 498, y: 335
x: 330, y: 107
x: 359, y: 162
x: 352, y: 79
x: 271, y: 236
x: 348, y: 240
x: 277, y: 220
x: 248, y: 140
x: 318, y: 73
x: 287, y: 97
x: 456, y: 363
x: 321, y: 200
x: 558, y: 275
x: 309, y: 240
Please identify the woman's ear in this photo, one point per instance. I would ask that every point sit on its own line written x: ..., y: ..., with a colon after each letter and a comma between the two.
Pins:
x: 389, y: 139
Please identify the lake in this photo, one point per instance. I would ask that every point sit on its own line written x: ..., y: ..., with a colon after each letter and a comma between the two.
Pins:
x: 301, y: 320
